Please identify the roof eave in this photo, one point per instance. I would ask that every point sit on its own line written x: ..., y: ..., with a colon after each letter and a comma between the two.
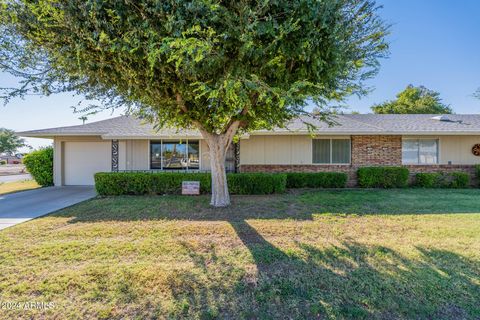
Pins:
x: 371, y: 133
x: 151, y: 137
x: 51, y: 135
x: 436, y: 133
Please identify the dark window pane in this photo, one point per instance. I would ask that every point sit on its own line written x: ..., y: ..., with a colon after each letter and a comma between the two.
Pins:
x: 321, y: 150
x: 193, y: 155
x: 174, y: 155
x: 340, y: 151
x: 155, y: 155
x: 230, y: 158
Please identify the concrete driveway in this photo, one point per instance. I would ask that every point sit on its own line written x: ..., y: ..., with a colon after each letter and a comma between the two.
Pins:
x: 23, y: 206
x: 15, y: 177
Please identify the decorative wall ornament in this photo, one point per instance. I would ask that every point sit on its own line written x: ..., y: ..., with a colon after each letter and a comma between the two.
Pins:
x: 476, y: 149
x: 114, y: 155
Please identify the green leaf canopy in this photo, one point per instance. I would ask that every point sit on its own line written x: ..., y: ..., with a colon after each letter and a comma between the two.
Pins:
x: 414, y: 100
x: 10, y: 142
x: 203, y: 62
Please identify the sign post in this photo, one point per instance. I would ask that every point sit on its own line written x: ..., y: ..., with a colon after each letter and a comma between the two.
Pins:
x: 190, y: 187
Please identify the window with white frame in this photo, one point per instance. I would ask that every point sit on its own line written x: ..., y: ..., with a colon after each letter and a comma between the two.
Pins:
x: 420, y: 151
x: 331, y: 151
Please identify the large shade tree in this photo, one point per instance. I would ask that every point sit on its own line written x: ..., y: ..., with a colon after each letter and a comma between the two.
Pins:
x: 10, y: 142
x: 414, y: 100
x: 223, y: 67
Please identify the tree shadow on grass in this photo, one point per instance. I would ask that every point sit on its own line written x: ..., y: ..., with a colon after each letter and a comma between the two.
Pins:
x: 351, y: 280
x: 344, y: 281
x: 298, y: 205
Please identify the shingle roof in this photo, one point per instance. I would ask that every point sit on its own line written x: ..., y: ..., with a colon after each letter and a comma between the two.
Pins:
x: 130, y: 127
x: 122, y: 126
x: 425, y: 123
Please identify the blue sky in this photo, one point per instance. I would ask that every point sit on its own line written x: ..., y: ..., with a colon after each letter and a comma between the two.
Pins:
x: 433, y: 43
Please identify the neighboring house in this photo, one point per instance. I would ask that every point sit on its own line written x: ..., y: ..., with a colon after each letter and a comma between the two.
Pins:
x: 423, y: 143
x: 11, y: 159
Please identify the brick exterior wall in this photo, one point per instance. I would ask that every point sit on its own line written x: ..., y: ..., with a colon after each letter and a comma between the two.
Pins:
x: 376, y: 150
x: 366, y: 151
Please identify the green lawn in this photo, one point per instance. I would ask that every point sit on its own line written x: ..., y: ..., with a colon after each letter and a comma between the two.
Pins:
x: 384, y: 254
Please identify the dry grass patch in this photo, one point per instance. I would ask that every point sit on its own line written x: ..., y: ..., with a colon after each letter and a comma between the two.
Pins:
x: 9, y: 187
x: 314, y: 254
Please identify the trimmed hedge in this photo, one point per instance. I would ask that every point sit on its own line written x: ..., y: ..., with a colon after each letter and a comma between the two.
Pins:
x: 442, y: 180
x: 256, y: 183
x: 428, y: 180
x: 382, y: 177
x: 458, y: 180
x: 477, y: 171
x: 137, y: 183
x: 40, y: 165
x: 317, y: 180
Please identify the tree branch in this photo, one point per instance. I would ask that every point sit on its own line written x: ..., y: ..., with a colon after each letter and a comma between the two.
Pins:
x: 181, y: 103
x: 184, y: 109
x: 244, y: 112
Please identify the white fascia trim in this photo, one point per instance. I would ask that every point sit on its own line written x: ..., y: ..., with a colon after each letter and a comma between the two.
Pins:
x: 369, y: 133
x: 107, y: 137
x: 53, y: 135
x: 246, y: 136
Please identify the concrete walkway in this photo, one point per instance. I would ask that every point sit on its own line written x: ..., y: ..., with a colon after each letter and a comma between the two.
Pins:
x: 23, y: 206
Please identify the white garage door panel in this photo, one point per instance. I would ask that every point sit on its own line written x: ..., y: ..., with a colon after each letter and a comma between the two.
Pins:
x: 84, y: 159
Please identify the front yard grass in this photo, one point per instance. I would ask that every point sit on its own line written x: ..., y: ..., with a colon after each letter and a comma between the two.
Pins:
x: 9, y: 187
x: 381, y: 254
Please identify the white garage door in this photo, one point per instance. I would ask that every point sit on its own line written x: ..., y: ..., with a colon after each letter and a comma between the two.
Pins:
x: 83, y: 159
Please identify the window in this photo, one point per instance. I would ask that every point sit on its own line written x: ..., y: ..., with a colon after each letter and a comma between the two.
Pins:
x: 193, y: 155
x: 420, y: 151
x: 331, y: 151
x: 156, y: 155
x: 174, y: 155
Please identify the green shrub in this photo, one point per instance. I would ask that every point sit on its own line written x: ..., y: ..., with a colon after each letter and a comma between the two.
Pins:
x: 171, y: 182
x: 316, y: 180
x: 442, y: 180
x: 256, y: 183
x: 428, y: 180
x: 477, y: 173
x: 3, y: 162
x: 382, y: 177
x: 459, y: 180
x: 40, y: 165
x: 119, y: 183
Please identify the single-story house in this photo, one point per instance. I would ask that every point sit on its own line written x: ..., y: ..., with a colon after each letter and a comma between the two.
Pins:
x: 421, y: 142
x: 11, y: 159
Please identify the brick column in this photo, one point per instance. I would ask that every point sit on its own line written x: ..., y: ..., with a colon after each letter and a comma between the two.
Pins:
x: 376, y: 151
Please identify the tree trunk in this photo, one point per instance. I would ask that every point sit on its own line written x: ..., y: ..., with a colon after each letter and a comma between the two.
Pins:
x: 220, y: 195
x: 218, y: 145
